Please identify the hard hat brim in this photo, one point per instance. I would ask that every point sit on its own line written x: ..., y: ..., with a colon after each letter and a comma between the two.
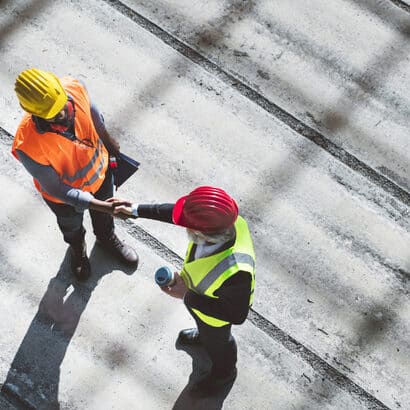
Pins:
x: 57, y: 107
x: 177, y: 212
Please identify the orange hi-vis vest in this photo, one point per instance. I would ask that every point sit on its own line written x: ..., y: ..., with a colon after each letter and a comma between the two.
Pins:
x: 81, y: 163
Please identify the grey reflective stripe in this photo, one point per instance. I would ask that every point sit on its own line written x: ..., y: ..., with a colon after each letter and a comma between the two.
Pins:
x: 96, y: 173
x: 222, y: 266
x: 81, y: 173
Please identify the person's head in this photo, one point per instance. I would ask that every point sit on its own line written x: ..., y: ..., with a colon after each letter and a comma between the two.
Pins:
x: 208, y: 213
x: 40, y: 93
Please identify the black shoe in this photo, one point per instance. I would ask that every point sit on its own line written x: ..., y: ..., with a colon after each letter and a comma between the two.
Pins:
x: 189, y: 337
x: 212, y: 383
x: 119, y: 249
x: 80, y: 265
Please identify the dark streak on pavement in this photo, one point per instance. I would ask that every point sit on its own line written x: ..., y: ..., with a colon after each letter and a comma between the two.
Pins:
x: 297, y: 125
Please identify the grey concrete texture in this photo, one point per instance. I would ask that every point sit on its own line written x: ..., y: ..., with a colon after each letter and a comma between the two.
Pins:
x: 336, y: 67
x: 233, y: 94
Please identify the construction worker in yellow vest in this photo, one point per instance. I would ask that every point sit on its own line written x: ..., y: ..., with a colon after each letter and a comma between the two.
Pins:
x: 218, y: 275
x: 63, y: 143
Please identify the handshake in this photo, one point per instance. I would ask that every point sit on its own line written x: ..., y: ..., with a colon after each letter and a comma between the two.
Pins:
x: 122, y: 209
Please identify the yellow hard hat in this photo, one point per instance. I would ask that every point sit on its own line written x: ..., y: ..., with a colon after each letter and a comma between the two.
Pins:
x: 40, y: 93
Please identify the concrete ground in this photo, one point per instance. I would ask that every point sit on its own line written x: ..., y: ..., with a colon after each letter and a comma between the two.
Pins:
x: 300, y: 110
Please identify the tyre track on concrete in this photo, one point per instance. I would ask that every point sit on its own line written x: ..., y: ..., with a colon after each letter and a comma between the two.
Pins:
x: 323, y: 368
x: 254, y: 96
x: 401, y: 4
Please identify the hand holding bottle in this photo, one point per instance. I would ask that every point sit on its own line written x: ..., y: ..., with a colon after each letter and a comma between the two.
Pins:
x: 170, y: 282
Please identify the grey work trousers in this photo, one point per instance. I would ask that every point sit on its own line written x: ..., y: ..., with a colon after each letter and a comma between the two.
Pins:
x: 220, y: 345
x: 70, y: 221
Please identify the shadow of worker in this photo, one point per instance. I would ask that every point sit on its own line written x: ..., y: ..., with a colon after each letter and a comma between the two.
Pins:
x: 201, y: 365
x: 34, y: 375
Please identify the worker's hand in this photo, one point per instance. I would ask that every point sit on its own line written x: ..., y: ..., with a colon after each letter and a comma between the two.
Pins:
x: 120, y: 208
x: 124, y: 209
x: 114, y: 147
x: 108, y: 206
x: 116, y: 202
x: 122, y: 215
x: 177, y: 290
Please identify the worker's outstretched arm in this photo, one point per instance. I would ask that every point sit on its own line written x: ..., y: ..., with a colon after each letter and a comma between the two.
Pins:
x: 158, y: 212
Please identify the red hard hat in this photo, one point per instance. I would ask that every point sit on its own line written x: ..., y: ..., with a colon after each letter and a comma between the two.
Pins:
x: 205, y: 209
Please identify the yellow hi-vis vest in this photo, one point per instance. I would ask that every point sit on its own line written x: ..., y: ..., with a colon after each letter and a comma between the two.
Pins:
x: 79, y: 165
x: 206, y: 275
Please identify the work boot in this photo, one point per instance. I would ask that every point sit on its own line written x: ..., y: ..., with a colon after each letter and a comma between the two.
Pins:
x: 212, y: 383
x: 80, y: 265
x: 188, y: 337
x: 119, y: 249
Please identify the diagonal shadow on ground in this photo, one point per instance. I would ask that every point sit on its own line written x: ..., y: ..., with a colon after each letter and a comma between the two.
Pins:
x: 179, y: 65
x: 34, y: 375
x: 28, y: 12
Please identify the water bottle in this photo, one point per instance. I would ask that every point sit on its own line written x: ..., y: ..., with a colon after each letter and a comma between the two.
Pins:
x: 164, y: 276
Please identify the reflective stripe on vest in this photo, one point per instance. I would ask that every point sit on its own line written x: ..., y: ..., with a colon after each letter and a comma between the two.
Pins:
x: 79, y: 165
x: 81, y: 173
x: 222, y: 266
x: 206, y: 275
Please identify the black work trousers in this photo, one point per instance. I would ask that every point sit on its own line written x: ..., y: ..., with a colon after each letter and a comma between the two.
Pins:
x: 220, y: 345
x: 70, y: 221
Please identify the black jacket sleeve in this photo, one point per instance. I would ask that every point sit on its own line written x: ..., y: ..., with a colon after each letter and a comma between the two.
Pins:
x: 232, y: 304
x: 158, y: 212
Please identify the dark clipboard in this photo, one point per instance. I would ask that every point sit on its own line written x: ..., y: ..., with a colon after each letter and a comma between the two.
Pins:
x: 126, y: 167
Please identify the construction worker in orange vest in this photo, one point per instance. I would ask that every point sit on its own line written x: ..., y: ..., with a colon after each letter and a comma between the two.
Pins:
x: 218, y: 275
x: 63, y: 143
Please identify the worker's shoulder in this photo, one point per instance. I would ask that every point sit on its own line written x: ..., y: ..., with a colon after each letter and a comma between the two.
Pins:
x: 26, y: 124
x: 26, y: 134
x: 69, y: 82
